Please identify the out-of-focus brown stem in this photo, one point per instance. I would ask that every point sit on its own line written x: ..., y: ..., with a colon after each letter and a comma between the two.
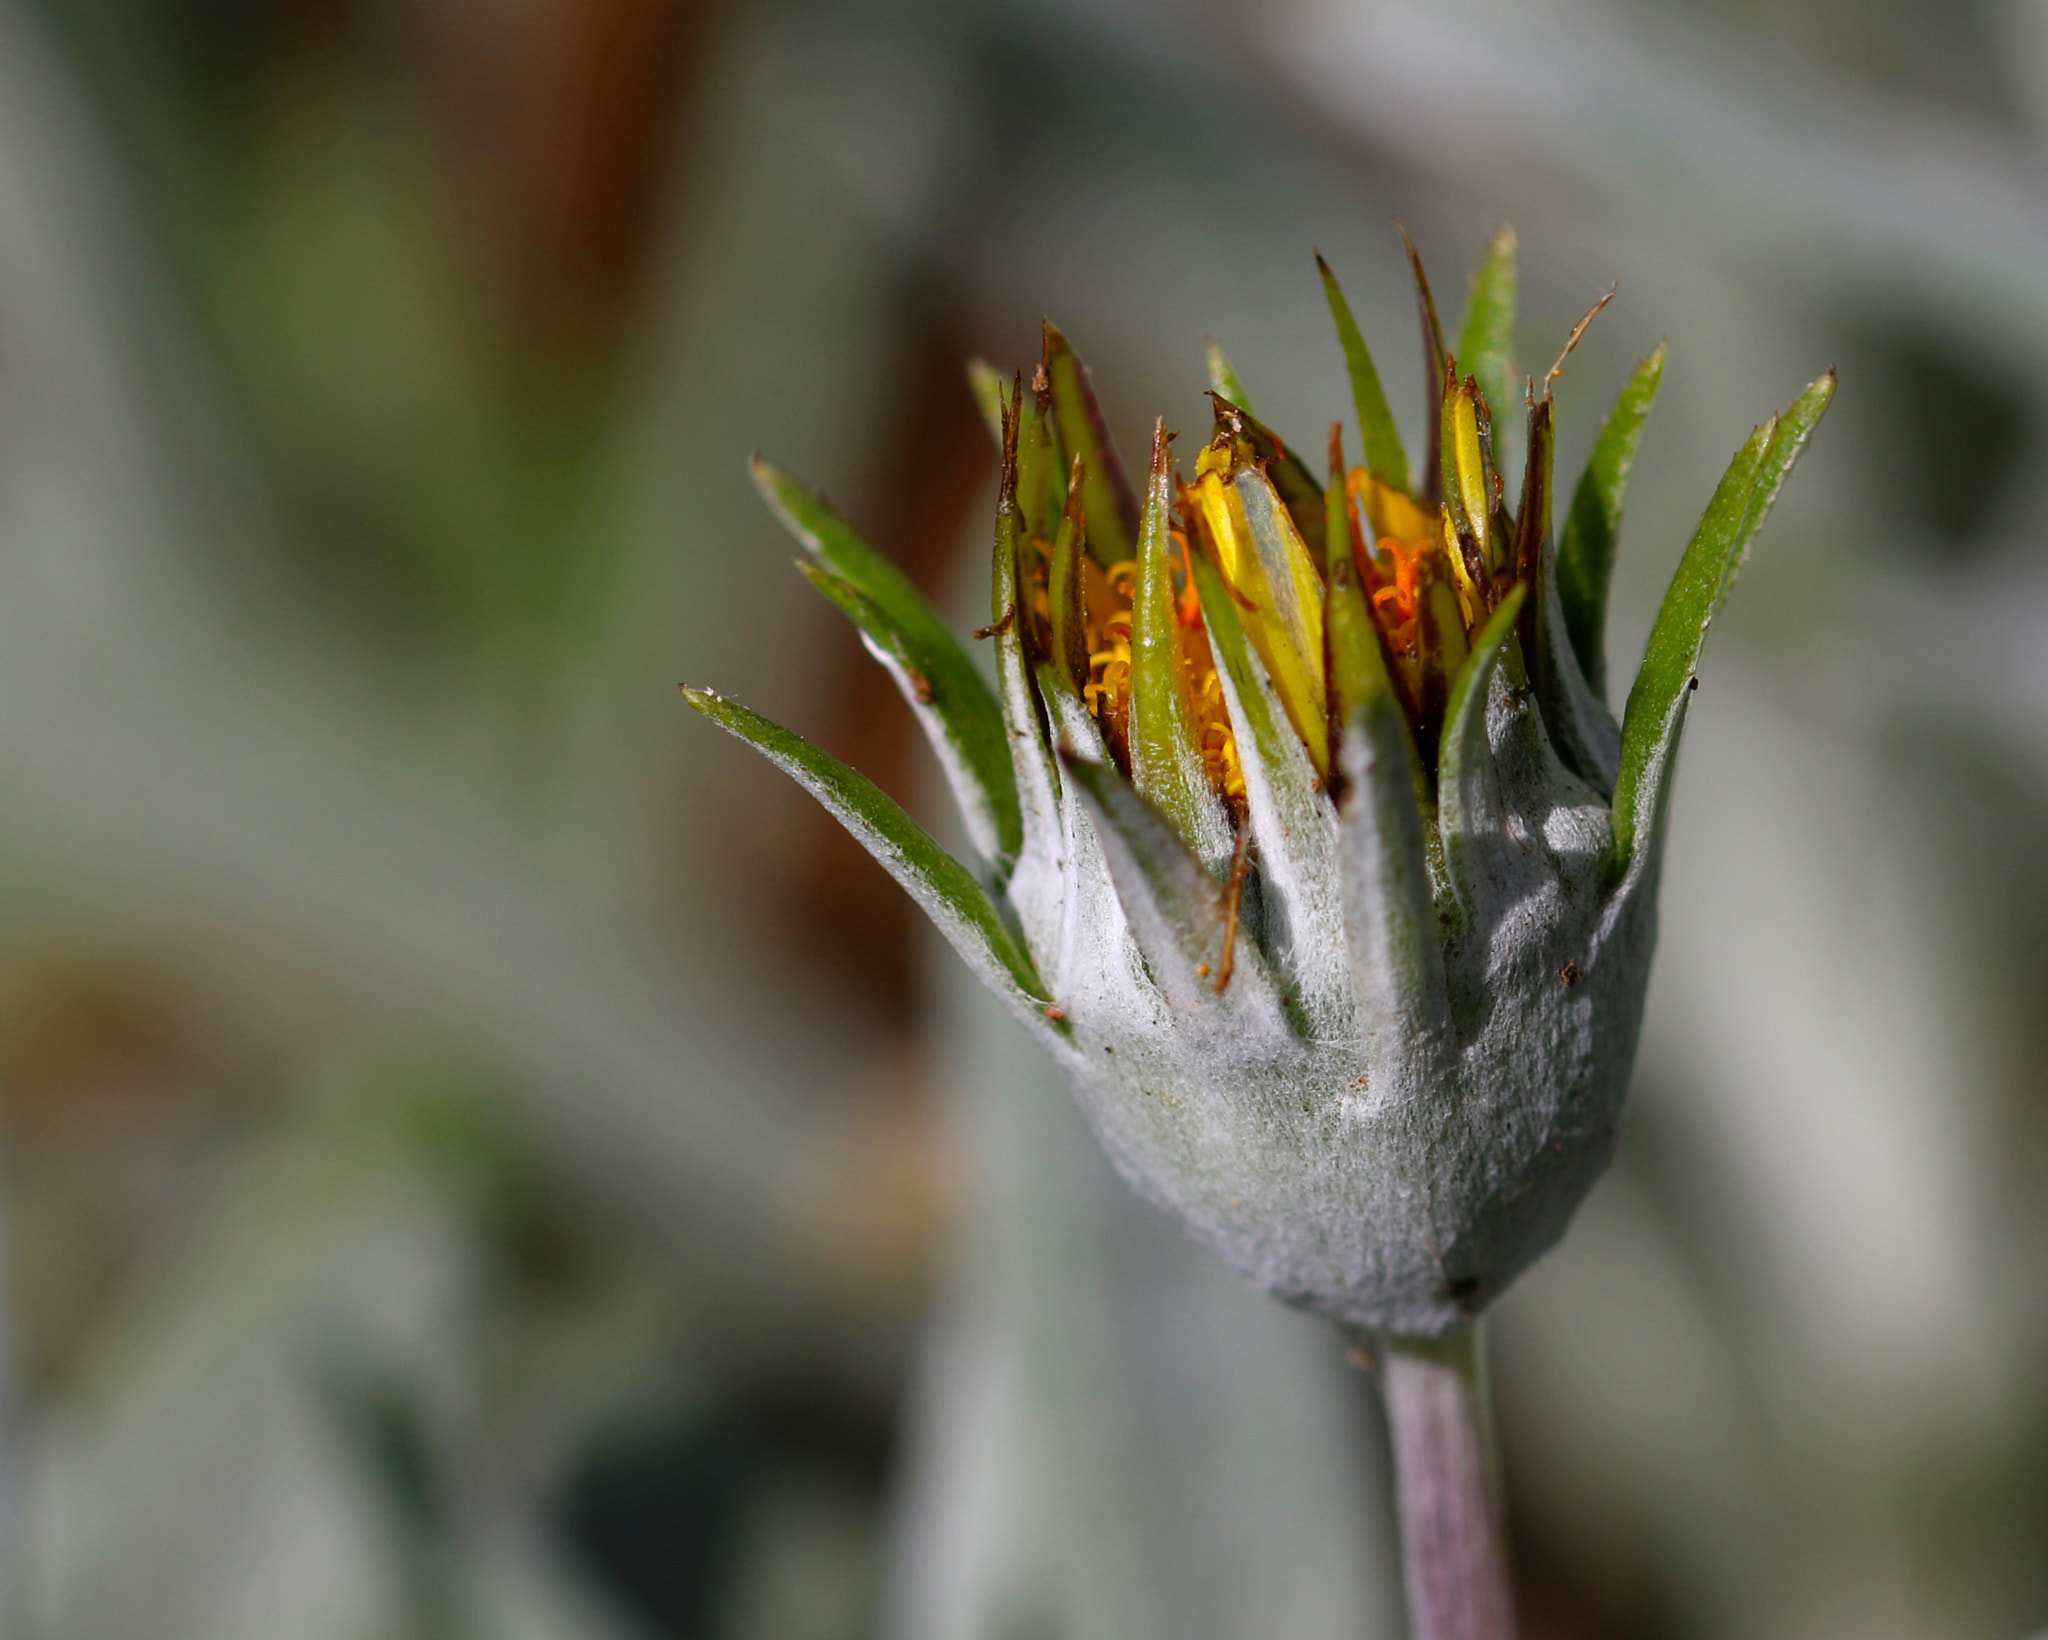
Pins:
x: 1453, y: 1549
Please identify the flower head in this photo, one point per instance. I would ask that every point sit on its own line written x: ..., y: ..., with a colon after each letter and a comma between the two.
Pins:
x: 1311, y: 849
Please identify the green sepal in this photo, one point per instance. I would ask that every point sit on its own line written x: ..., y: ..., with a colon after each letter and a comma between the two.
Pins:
x: 945, y: 889
x: 1656, y: 704
x: 1469, y: 802
x: 966, y: 737
x: 1293, y: 824
x: 1381, y: 439
x: 1166, y: 758
x: 1066, y: 591
x: 1032, y: 888
x: 1582, y: 731
x: 1592, y: 529
x: 1223, y: 380
x: 961, y: 704
x: 1111, y: 504
x: 1433, y: 360
x: 1486, y: 342
x: 1041, y: 467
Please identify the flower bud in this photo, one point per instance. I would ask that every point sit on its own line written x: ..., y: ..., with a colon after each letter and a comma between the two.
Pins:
x: 1311, y: 849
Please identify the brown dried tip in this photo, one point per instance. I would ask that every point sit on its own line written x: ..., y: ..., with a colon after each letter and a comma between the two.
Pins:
x: 1572, y: 340
x: 1013, y: 410
x: 1233, y: 903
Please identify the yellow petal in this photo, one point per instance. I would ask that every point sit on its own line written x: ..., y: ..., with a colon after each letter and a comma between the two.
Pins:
x: 1268, y: 566
x: 1391, y: 512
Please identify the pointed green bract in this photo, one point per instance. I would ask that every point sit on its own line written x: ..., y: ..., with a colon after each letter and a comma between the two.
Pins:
x: 1359, y: 681
x: 1066, y: 592
x: 1581, y: 728
x: 1166, y: 759
x: 1223, y: 379
x: 1384, y: 457
x: 944, y: 888
x: 1585, y: 548
x: 1041, y: 467
x: 967, y: 738
x: 1468, y: 794
x: 1037, y: 783
x: 1111, y: 506
x: 1582, y: 731
x: 1486, y: 342
x: 1656, y: 704
x: 967, y: 713
x: 1433, y: 357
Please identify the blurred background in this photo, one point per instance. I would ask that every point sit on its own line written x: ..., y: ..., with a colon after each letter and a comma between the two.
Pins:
x: 481, y: 1156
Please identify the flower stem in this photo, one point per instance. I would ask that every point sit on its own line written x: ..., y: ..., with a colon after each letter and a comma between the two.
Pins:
x: 1453, y: 1549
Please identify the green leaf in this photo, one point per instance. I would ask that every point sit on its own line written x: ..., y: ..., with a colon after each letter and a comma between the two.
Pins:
x: 1223, y: 379
x: 966, y: 737
x: 1384, y: 457
x: 1112, y: 506
x: 1656, y: 704
x: 1592, y: 530
x: 945, y: 889
x: 1293, y: 824
x: 1166, y: 759
x: 961, y: 716
x: 1486, y: 342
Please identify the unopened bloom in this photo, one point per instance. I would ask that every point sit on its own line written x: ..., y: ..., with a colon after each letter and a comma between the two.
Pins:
x: 1311, y: 849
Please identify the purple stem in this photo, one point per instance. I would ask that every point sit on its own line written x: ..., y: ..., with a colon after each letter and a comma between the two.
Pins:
x: 1453, y: 1549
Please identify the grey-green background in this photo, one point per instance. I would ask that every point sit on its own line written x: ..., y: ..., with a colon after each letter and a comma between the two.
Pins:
x: 479, y: 1158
